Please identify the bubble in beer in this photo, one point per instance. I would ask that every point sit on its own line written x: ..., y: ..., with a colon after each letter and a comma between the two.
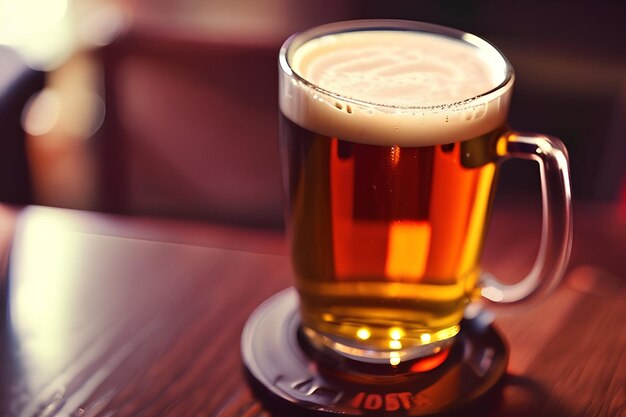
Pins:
x: 395, y: 344
x: 447, y: 148
x: 344, y: 150
x: 363, y: 333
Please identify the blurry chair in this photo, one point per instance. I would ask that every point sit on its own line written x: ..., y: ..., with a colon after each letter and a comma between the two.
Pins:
x: 17, y: 83
x: 190, y: 129
x: 190, y: 126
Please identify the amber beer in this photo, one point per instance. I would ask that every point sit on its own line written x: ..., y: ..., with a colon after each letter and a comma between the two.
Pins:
x: 387, y: 238
x: 390, y: 141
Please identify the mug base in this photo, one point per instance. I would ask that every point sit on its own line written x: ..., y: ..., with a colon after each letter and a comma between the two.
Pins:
x: 332, y: 348
x: 286, y: 370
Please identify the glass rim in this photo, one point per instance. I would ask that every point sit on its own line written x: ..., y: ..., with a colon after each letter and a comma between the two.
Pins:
x: 300, y: 38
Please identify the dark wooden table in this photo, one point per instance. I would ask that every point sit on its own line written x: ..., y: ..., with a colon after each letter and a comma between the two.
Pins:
x: 122, y: 316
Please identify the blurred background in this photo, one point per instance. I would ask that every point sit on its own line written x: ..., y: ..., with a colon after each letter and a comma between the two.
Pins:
x: 169, y: 108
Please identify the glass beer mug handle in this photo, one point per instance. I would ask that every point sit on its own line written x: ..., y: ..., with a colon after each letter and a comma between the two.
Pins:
x: 556, y: 231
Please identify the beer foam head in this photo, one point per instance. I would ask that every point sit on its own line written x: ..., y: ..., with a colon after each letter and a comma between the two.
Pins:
x: 395, y: 87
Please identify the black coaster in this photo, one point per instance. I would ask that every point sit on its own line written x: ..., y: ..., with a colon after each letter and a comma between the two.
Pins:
x: 282, y: 364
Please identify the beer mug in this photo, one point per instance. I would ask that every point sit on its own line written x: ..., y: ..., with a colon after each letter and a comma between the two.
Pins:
x: 392, y: 134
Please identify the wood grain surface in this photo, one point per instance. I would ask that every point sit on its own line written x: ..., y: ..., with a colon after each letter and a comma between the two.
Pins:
x: 125, y: 316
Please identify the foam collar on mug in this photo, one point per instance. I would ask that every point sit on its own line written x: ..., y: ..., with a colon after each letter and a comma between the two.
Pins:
x: 396, y: 87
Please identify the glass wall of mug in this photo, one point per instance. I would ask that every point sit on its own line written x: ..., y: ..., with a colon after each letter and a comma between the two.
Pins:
x: 391, y: 137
